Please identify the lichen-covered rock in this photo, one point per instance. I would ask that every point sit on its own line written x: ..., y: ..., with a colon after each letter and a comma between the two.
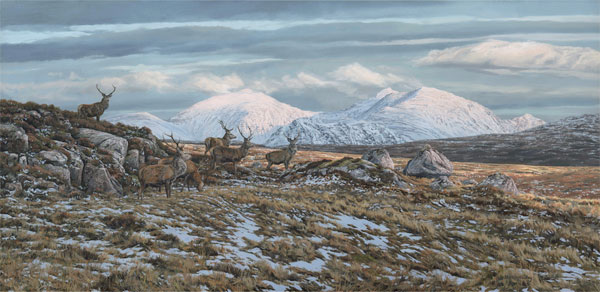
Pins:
x: 97, y: 179
x: 380, y: 157
x: 502, y: 182
x: 60, y: 172
x: 53, y: 157
x: 13, y: 139
x: 106, y: 141
x: 132, y: 161
x: 429, y: 163
x: 441, y: 183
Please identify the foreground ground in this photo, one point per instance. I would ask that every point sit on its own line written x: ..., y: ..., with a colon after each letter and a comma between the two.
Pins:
x: 253, y: 232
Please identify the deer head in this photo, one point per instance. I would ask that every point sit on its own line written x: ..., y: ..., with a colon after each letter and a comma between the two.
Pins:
x: 177, y: 147
x: 228, y: 134
x: 294, y: 140
x: 106, y: 95
x: 247, y: 143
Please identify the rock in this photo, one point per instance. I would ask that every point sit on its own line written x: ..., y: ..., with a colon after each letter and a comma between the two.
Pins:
x: 23, y: 160
x: 147, y: 147
x: 12, y: 159
x: 97, y: 179
x: 469, y: 182
x: 14, y: 189
x: 502, y: 182
x: 107, y: 141
x: 429, y: 163
x: 441, y: 183
x: 75, y: 168
x: 256, y: 165
x: 380, y: 157
x: 60, y: 172
x: 34, y: 114
x: 53, y: 157
x: 132, y: 161
x: 13, y: 139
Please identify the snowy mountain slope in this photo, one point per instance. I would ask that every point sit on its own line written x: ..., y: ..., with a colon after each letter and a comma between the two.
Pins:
x: 158, y: 126
x: 393, y: 117
x: 262, y: 113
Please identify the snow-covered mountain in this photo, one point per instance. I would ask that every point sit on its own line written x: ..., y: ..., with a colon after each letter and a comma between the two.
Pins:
x: 393, y: 117
x: 262, y: 113
x: 158, y: 126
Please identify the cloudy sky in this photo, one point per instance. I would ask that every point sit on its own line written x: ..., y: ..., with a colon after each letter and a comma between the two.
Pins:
x: 519, y: 57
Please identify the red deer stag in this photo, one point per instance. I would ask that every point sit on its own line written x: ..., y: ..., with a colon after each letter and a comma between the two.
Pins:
x: 163, y: 174
x: 95, y: 109
x: 284, y: 155
x: 222, y: 154
x: 212, y: 142
x: 191, y: 174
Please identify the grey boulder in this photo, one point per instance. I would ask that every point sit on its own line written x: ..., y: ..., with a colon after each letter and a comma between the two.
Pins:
x: 13, y: 139
x: 380, y: 157
x: 97, y: 179
x: 502, y: 182
x: 441, y: 183
x: 106, y: 141
x: 132, y: 161
x: 429, y: 163
x: 53, y: 157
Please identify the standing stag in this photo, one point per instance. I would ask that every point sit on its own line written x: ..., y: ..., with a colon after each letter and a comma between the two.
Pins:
x: 285, y: 155
x: 222, y: 154
x: 192, y: 173
x: 212, y: 142
x: 163, y: 174
x: 95, y: 109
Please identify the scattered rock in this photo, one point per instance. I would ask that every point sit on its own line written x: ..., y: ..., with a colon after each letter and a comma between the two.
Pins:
x: 97, y: 179
x: 106, y: 141
x: 441, y: 183
x: 502, y: 182
x: 429, y: 163
x: 469, y: 182
x: 380, y: 157
x: 53, y: 157
x: 13, y: 139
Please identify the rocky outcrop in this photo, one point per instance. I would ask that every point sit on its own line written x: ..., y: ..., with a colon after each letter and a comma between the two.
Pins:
x: 379, y: 157
x: 429, y: 163
x: 117, y: 146
x: 13, y: 139
x: 96, y: 178
x: 502, y: 182
x: 441, y: 183
x: 132, y: 161
x: 53, y: 157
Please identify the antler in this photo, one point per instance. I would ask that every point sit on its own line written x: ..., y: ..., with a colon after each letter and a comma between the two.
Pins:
x: 114, y: 89
x: 249, y: 130
x: 99, y: 89
x: 290, y: 139
x: 176, y: 142
x: 223, y: 126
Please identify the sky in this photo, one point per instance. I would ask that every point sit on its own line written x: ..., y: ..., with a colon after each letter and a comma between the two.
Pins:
x: 515, y: 57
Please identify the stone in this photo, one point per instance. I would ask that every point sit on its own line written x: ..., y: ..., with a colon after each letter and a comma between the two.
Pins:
x: 23, y: 160
x: 256, y: 164
x: 502, y: 182
x: 380, y: 157
x: 14, y: 189
x: 13, y: 139
x: 53, y: 157
x: 429, y: 163
x: 107, y: 141
x: 469, y: 182
x: 75, y: 168
x: 98, y: 179
x: 441, y: 183
x: 60, y: 172
x: 12, y: 159
x: 132, y: 161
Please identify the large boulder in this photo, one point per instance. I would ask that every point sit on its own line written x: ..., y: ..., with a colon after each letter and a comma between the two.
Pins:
x: 502, y: 182
x: 96, y: 178
x: 429, y: 163
x: 116, y: 145
x: 53, y: 157
x: 60, y: 172
x: 132, y: 161
x: 380, y: 157
x: 13, y: 139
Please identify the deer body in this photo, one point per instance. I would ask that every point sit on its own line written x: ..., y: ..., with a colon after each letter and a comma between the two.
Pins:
x: 222, y: 154
x: 163, y: 174
x: 212, y: 142
x: 189, y: 175
x: 95, y: 109
x: 283, y: 156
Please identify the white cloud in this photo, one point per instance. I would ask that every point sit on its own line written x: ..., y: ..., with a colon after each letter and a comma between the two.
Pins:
x: 216, y: 84
x: 358, y: 74
x: 502, y: 57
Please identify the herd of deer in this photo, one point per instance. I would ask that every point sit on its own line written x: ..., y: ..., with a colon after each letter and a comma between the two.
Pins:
x: 169, y: 169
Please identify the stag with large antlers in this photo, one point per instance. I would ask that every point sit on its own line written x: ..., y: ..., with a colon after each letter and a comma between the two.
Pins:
x: 212, y: 142
x: 163, y: 174
x: 284, y: 155
x: 222, y: 154
x: 95, y: 109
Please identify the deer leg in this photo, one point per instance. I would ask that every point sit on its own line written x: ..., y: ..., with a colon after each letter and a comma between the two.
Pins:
x: 141, y: 191
x: 234, y: 169
x: 286, y: 165
x: 269, y: 165
x: 97, y: 118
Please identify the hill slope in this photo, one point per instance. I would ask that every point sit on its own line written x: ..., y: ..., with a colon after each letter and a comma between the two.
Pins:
x: 393, y: 117
x: 158, y: 126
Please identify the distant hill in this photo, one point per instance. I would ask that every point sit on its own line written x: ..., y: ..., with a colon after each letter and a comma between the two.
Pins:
x: 394, y: 117
x: 573, y: 141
